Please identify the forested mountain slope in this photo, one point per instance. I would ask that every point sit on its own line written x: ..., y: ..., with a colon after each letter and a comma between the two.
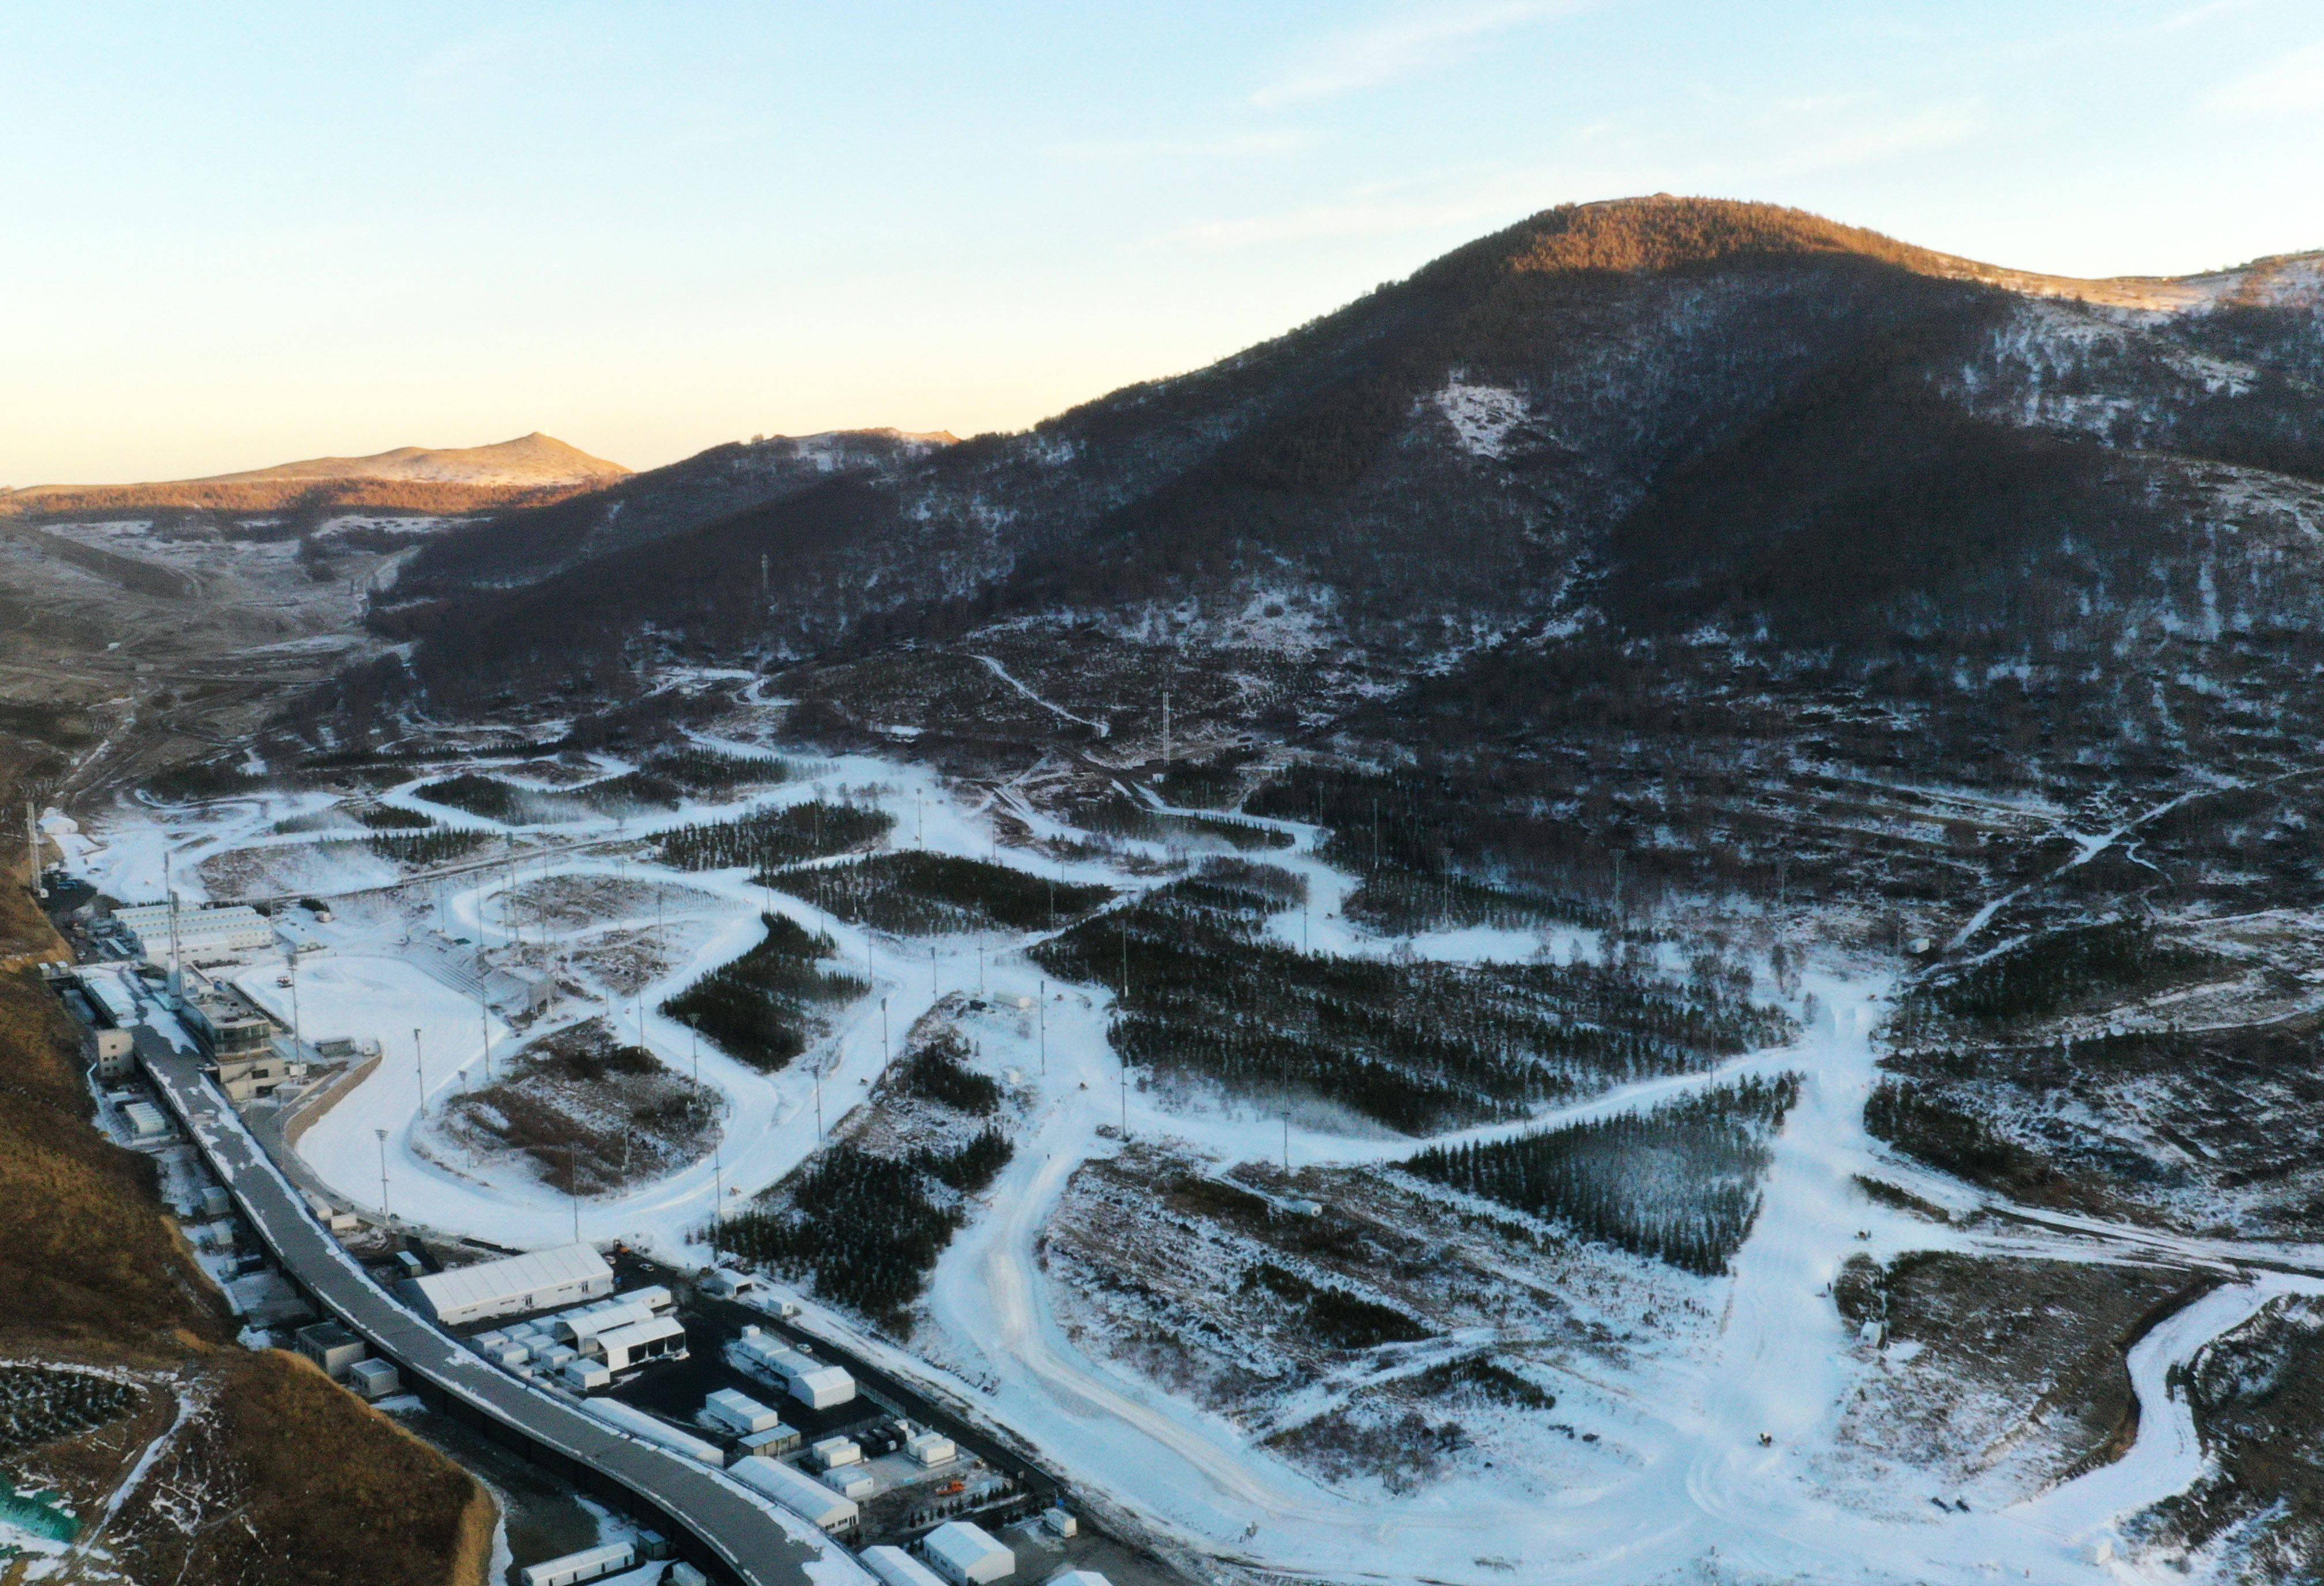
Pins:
x: 1626, y: 485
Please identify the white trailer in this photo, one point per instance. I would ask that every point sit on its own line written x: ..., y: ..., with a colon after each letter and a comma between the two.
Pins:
x: 727, y: 1410
x: 895, y: 1567
x: 591, y: 1563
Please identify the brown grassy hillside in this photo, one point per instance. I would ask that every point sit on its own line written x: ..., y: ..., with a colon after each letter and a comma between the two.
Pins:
x: 272, y: 1476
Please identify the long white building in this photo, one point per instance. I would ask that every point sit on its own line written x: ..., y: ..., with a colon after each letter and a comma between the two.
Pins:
x: 205, y: 934
x: 539, y: 1280
x: 801, y: 1494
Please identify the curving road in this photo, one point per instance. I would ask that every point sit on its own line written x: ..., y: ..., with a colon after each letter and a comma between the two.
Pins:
x: 752, y: 1541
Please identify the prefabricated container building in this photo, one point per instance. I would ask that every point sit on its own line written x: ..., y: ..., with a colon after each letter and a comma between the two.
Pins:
x: 330, y: 1346
x: 738, y: 1413
x: 895, y: 1567
x: 812, y: 1382
x: 374, y: 1379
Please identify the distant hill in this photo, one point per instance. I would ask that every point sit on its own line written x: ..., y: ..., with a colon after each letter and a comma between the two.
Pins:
x: 532, y: 542
x: 534, y: 467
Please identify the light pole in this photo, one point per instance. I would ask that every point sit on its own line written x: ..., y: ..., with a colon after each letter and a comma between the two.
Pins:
x: 420, y: 1069
x: 291, y: 962
x: 883, y: 1033
x: 573, y: 1187
x: 818, y: 1103
x: 386, y: 1217
x: 1044, y: 1028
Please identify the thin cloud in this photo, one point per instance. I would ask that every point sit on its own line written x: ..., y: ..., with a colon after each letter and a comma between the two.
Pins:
x: 1398, y: 46
x: 2291, y: 85
x: 1940, y: 126
x: 1317, y: 222
x: 1252, y: 145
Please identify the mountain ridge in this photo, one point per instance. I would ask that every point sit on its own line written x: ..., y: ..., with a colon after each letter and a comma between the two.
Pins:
x: 443, y: 479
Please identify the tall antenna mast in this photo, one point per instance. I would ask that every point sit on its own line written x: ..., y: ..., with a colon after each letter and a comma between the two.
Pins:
x: 176, y: 975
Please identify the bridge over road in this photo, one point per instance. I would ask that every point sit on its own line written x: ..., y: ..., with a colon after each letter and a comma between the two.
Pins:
x: 720, y: 1525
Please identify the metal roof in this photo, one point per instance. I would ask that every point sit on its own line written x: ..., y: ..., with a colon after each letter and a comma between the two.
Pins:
x: 491, y: 1282
x: 638, y: 1333
x: 963, y: 1545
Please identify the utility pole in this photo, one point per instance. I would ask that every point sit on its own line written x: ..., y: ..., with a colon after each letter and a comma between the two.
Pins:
x: 176, y: 974
x: 485, y: 1026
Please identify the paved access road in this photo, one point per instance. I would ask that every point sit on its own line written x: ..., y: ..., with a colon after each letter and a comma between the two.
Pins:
x: 763, y: 1546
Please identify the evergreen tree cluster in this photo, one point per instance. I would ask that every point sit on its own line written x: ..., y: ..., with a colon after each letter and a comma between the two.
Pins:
x: 391, y: 817
x: 479, y: 794
x: 867, y: 1229
x: 936, y: 1071
x: 2053, y: 972
x: 710, y: 770
x: 1121, y: 818
x: 1418, y: 1047
x: 863, y: 1228
x: 771, y: 839
x: 1420, y: 842
x: 972, y: 1168
x: 912, y: 892
x: 761, y: 1007
x: 1680, y: 1183
x: 439, y: 845
x: 629, y: 790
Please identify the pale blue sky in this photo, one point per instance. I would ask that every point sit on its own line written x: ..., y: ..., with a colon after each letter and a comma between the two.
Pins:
x: 240, y: 233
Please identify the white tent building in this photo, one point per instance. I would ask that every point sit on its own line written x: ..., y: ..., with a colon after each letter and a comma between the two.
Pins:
x: 540, y: 1280
x: 799, y: 1493
x: 967, y: 1555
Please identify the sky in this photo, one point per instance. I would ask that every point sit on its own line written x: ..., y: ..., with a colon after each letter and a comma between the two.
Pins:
x: 235, y: 234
